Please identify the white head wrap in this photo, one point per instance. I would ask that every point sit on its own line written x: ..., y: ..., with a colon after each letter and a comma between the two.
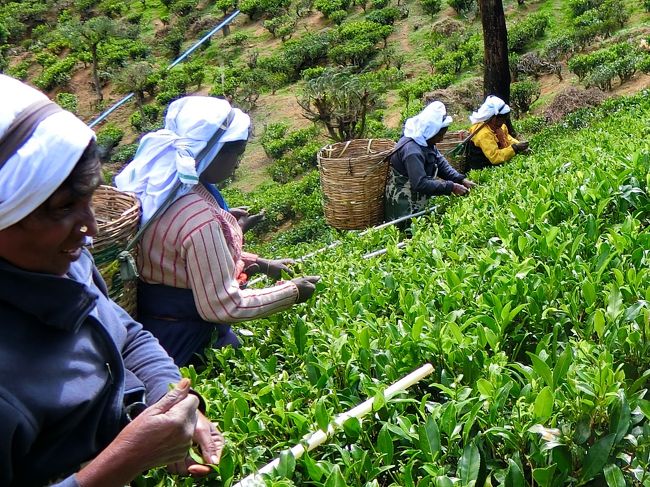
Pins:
x: 44, y: 161
x: 427, y: 123
x: 493, y: 105
x: 167, y: 156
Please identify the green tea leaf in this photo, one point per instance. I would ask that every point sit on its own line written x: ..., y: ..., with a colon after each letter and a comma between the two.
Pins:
x: 544, y: 404
x: 597, y: 457
x: 589, y: 292
x: 544, y: 476
x: 542, y: 369
x: 469, y: 466
x: 300, y: 335
x: 599, y: 323
x: 352, y: 428
x: 322, y: 416
x: 385, y: 445
x: 614, y: 476
x: 335, y: 478
x: 620, y: 417
x: 286, y: 465
x: 514, y: 477
x: 429, y: 439
x: 562, y: 365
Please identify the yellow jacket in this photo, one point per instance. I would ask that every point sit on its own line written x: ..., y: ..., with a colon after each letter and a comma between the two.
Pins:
x: 487, y: 141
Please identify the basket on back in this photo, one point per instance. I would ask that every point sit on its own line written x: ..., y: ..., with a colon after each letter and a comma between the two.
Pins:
x: 118, y: 215
x: 353, y: 178
x: 451, y: 140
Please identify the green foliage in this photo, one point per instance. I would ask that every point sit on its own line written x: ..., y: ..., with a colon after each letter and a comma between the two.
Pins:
x: 256, y: 9
x: 341, y: 101
x: 19, y: 70
x: 67, y: 101
x: 124, y: 153
x: 328, y: 7
x: 462, y: 6
x: 521, y: 34
x: 281, y: 26
x: 415, y: 90
x: 107, y: 139
x: 147, y: 119
x: 531, y: 125
x: 294, y: 152
x: 602, y: 20
x: 385, y: 16
x: 355, y: 42
x: 522, y: 95
x: 646, y: 5
x: 431, y: 7
x: 534, y: 318
x: 58, y: 74
x: 600, y: 67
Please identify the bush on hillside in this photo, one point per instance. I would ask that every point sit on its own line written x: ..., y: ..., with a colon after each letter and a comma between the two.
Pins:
x: 58, y: 74
x: 124, y: 153
x: 328, y: 7
x: 431, y: 7
x: 601, y: 77
x: 108, y: 138
x: 533, y: 64
x: 67, y: 101
x: 462, y: 6
x: 385, y: 16
x: 415, y: 90
x: 570, y: 100
x: 522, y: 95
x: 521, y: 34
x: 281, y: 26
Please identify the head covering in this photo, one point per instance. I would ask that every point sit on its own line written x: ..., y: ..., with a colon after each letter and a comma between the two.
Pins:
x: 44, y: 161
x: 493, y: 105
x: 167, y: 156
x: 427, y: 123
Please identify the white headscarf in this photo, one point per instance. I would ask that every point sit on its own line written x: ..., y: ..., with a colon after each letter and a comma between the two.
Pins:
x: 44, y: 161
x: 493, y: 105
x: 167, y: 156
x: 427, y: 123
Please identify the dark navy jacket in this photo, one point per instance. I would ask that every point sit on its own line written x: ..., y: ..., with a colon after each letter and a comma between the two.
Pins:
x: 67, y: 356
x: 426, y: 168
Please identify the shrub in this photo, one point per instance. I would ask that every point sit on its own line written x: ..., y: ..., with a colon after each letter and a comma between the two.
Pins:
x: 124, y: 153
x: 523, y: 33
x: 58, y: 74
x: 560, y: 47
x: 107, y: 138
x: 67, y: 101
x: 602, y: 77
x: 384, y: 16
x: 644, y: 64
x: 338, y: 16
x: 415, y: 90
x: 431, y: 7
x: 570, y: 100
x: 328, y: 7
x: 282, y: 26
x: 531, y: 124
x: 19, y: 70
x: 462, y: 6
x: 522, y: 95
x: 579, y: 7
x: 646, y: 5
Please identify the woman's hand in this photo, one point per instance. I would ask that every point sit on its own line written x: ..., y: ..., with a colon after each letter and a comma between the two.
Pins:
x: 160, y: 435
x: 210, y: 442
x: 521, y: 147
x: 469, y: 184
x: 245, y: 220
x: 459, y: 189
x: 306, y: 286
x: 275, y: 268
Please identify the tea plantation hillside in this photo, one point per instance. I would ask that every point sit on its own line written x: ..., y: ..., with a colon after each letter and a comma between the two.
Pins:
x: 529, y: 297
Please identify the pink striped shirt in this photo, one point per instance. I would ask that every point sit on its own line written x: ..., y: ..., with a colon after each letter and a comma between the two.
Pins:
x: 197, y: 245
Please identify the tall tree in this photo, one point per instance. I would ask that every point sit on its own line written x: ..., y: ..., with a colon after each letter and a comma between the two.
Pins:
x: 87, y: 36
x: 496, y: 80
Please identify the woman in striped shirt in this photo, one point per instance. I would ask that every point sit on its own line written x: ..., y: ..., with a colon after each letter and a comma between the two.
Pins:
x: 190, y: 258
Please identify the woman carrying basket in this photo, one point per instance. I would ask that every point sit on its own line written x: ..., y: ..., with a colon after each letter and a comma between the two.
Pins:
x: 419, y: 170
x: 190, y: 258
x: 84, y: 390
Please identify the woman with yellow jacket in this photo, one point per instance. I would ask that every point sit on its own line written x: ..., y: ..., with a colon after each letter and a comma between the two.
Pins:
x: 491, y: 143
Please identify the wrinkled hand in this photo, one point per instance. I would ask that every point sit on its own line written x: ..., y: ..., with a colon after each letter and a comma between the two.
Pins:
x: 245, y: 220
x: 162, y: 433
x: 306, y: 286
x: 211, y: 444
x: 459, y: 190
x: 275, y: 268
x: 521, y: 147
x: 469, y: 184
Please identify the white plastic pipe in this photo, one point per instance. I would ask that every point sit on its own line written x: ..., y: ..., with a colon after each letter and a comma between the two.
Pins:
x: 383, y: 251
x: 336, y: 243
x: 317, y: 438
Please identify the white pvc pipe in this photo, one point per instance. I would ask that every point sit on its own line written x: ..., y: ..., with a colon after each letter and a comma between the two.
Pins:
x: 336, y: 243
x: 318, y: 437
x: 383, y: 251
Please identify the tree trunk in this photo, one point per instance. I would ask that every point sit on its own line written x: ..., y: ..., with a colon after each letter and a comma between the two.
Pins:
x: 496, y: 80
x: 98, y: 88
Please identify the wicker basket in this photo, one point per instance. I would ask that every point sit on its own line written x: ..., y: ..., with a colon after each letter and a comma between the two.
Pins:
x: 451, y: 140
x: 117, y: 215
x: 353, y: 178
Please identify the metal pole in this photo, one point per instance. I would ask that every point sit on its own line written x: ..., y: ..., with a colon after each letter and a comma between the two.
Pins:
x: 182, y: 57
x: 317, y: 438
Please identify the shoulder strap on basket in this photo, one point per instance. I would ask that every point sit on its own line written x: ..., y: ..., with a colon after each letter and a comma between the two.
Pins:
x: 128, y: 269
x: 460, y: 147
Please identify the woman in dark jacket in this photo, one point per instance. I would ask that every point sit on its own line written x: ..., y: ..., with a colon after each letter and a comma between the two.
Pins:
x: 84, y: 390
x: 419, y: 170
